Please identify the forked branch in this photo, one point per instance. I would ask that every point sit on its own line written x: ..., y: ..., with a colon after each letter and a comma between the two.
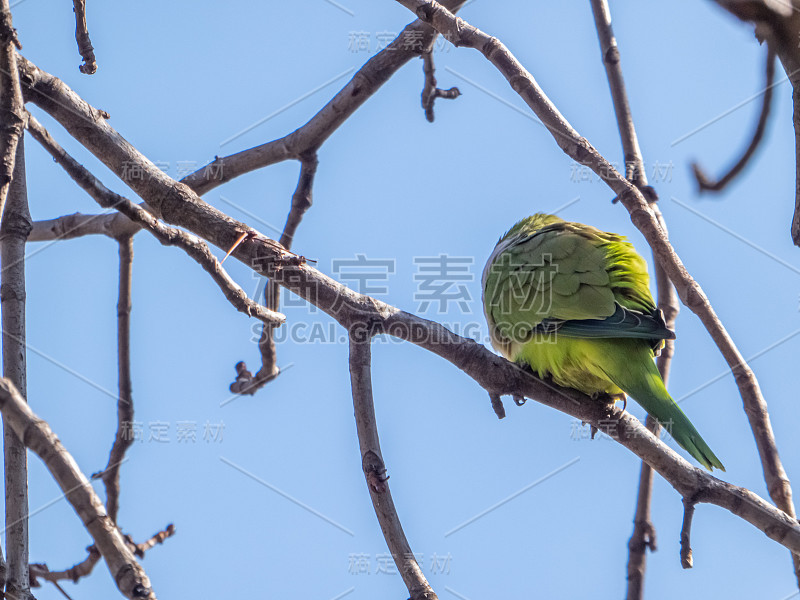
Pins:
x: 194, y: 247
x: 36, y: 434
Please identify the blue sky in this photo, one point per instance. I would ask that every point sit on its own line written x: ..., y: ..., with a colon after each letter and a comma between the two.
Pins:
x: 269, y: 500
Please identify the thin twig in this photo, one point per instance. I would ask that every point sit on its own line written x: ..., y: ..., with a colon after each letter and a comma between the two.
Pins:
x: 301, y: 201
x: 707, y: 185
x: 86, y: 566
x: 430, y: 92
x: 14, y: 229
x: 796, y: 122
x: 194, y: 247
x: 375, y: 470
x: 609, y: 50
x: 85, y: 48
x: 12, y: 110
x: 123, y: 439
x: 37, y: 435
x: 642, y: 216
x: 181, y: 206
x: 154, y: 540
x: 686, y: 533
x: 60, y: 589
x: 74, y: 573
x: 778, y: 23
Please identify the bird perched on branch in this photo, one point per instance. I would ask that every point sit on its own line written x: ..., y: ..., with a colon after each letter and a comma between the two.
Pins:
x: 574, y: 304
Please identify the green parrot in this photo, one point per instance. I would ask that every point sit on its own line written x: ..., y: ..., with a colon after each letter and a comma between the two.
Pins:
x: 574, y: 303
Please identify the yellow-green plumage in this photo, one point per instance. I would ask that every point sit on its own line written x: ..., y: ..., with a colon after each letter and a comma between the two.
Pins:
x: 574, y: 303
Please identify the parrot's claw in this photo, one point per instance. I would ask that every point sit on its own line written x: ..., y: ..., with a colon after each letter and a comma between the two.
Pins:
x: 620, y: 398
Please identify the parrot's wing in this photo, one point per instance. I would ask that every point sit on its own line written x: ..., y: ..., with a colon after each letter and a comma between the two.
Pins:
x: 555, y: 275
x: 579, y: 282
x: 624, y: 323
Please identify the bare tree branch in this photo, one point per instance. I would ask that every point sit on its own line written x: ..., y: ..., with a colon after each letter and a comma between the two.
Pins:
x: 686, y: 533
x: 113, y: 225
x: 158, y: 538
x: 74, y: 573
x: 302, y: 198
x: 430, y: 92
x: 634, y: 163
x: 123, y: 438
x: 86, y: 566
x: 14, y: 230
x: 415, y: 39
x: 194, y: 247
x: 85, y: 48
x: 12, y: 110
x: 301, y: 202
x: 375, y: 469
x: 703, y: 182
x: 37, y: 435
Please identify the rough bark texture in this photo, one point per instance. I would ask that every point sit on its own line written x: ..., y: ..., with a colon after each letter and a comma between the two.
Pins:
x: 12, y: 111
x: 16, y: 225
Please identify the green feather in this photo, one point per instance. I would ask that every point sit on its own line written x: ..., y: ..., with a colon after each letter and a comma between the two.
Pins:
x: 574, y: 303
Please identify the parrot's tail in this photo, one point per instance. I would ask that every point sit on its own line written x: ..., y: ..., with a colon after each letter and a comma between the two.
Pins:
x: 648, y: 390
